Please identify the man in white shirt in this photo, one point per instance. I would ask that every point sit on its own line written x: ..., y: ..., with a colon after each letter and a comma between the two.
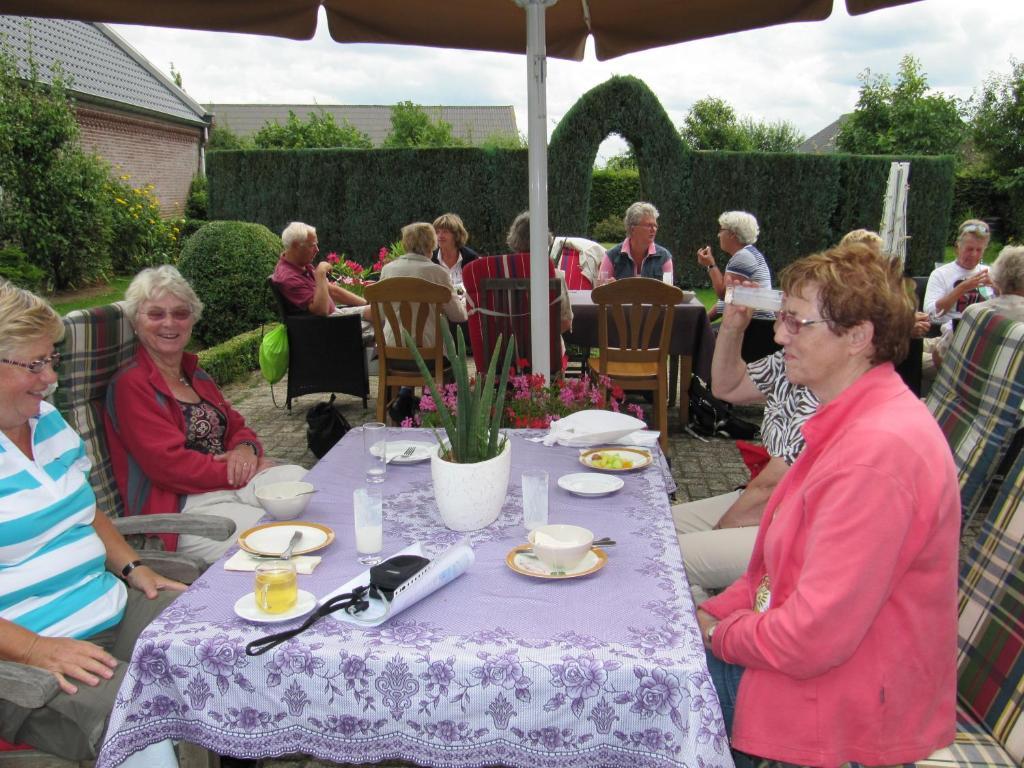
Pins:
x: 955, y: 286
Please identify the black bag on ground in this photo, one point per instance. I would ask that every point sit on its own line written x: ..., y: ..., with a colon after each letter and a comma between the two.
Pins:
x: 710, y: 416
x: 325, y: 425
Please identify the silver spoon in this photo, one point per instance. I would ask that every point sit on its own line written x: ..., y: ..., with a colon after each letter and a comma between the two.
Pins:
x: 287, y: 554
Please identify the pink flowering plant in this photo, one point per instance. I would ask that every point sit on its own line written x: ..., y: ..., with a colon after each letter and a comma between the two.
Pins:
x: 532, y: 403
x: 353, y: 276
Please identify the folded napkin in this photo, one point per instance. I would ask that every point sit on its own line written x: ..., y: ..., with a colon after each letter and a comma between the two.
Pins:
x: 243, y: 561
x: 585, y: 429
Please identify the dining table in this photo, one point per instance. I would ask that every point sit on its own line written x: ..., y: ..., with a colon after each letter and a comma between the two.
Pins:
x: 691, y: 344
x: 497, y: 667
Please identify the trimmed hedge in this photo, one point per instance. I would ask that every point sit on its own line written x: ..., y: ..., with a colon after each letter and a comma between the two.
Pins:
x: 611, y: 194
x: 360, y: 199
x: 234, y: 359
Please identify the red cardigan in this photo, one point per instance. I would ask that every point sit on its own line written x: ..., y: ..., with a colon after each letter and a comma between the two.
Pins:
x: 855, y: 659
x: 146, y: 437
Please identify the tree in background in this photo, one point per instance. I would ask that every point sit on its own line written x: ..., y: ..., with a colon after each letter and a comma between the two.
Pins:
x: 319, y: 131
x: 999, y: 124
x: 504, y: 141
x: 411, y: 126
x: 905, y: 118
x: 712, y: 124
x: 222, y: 137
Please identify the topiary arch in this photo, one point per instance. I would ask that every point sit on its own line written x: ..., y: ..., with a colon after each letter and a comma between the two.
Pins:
x: 623, y: 105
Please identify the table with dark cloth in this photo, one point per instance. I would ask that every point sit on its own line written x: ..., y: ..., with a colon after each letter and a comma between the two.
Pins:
x: 691, y: 347
x: 494, y: 668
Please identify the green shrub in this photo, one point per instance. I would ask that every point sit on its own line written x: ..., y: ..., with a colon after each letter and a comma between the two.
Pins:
x: 198, y: 198
x: 15, y: 266
x: 141, y: 238
x: 233, y: 359
x: 228, y: 263
x: 612, y: 193
x: 610, y: 229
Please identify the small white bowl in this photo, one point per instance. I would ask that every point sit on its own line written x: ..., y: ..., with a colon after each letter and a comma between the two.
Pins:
x: 561, y: 547
x: 285, y: 501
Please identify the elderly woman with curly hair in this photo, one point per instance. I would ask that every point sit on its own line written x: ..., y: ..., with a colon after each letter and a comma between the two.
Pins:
x: 176, y: 444
x: 838, y: 644
x: 737, y: 233
x: 638, y: 255
x: 63, y: 608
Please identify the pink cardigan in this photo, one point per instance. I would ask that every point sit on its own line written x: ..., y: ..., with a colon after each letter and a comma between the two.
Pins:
x: 146, y: 437
x: 855, y: 658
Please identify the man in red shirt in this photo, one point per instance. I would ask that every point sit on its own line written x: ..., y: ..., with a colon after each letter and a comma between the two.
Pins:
x: 303, y: 286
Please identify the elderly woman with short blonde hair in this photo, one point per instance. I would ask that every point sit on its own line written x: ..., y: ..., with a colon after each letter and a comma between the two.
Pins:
x: 737, y: 233
x: 176, y: 444
x: 638, y: 255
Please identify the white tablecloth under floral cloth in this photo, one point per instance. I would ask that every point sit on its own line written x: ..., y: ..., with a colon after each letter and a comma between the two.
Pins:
x: 494, y: 669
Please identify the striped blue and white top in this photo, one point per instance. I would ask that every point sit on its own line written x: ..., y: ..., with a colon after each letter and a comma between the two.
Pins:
x: 53, y: 577
x: 750, y: 264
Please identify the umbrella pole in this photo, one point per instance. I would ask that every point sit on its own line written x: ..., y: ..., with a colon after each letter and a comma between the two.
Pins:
x: 536, y: 62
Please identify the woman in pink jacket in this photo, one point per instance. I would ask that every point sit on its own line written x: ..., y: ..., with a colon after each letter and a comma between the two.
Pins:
x: 838, y: 644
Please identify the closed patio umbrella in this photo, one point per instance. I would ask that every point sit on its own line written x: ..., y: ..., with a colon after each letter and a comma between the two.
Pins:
x: 553, y: 27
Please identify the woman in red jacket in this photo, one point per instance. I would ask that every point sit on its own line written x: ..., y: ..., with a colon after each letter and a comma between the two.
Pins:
x: 839, y: 642
x: 175, y: 443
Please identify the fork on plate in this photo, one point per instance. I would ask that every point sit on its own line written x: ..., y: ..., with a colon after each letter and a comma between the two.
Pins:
x: 403, y: 455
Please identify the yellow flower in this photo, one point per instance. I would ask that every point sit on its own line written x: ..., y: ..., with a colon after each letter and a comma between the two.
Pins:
x: 119, y: 200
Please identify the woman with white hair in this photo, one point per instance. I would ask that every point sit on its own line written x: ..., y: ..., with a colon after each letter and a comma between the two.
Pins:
x: 176, y: 444
x: 638, y: 255
x: 737, y: 233
x: 63, y: 608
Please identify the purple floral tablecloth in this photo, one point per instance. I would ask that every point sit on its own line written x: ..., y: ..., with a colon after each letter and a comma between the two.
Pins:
x: 496, y: 668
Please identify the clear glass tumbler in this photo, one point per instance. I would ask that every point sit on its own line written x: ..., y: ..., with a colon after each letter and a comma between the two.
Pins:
x: 535, y: 498
x: 375, y: 450
x: 368, y: 506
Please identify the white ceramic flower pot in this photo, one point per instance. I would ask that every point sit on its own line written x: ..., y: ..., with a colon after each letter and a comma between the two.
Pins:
x: 470, y: 496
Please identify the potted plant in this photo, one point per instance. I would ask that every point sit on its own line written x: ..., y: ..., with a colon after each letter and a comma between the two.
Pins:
x: 471, y: 468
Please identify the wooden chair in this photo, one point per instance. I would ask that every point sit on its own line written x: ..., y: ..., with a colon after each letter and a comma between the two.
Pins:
x: 977, y: 398
x: 634, y: 328
x: 416, y: 306
x: 325, y: 354
x: 569, y: 263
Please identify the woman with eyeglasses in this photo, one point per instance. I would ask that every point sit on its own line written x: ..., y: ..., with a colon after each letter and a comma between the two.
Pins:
x: 176, y: 444
x: 737, y: 233
x: 638, y: 255
x: 838, y: 644
x: 62, y: 607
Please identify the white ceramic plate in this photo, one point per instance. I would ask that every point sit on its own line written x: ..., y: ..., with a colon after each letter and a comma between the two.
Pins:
x: 527, y: 564
x: 395, y: 449
x: 271, y: 539
x: 590, y: 483
x: 636, y: 458
x: 245, y: 607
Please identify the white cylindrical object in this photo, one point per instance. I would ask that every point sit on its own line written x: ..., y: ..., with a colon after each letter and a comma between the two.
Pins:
x: 765, y: 299
x: 368, y: 517
x: 375, y: 451
x: 535, y: 498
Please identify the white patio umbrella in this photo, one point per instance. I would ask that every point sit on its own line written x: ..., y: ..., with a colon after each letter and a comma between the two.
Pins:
x: 556, y: 27
x: 894, y: 213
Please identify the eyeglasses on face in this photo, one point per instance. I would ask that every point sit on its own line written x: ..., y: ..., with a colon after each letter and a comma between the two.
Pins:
x: 974, y: 229
x: 37, y: 366
x: 181, y: 314
x: 794, y: 324
x: 649, y: 225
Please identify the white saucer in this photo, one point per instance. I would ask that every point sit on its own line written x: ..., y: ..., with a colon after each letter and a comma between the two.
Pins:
x: 590, y: 483
x: 527, y: 564
x: 395, y: 449
x: 245, y: 607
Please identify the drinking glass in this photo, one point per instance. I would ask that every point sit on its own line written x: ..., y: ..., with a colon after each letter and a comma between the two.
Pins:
x: 368, y: 504
x: 535, y: 498
x: 375, y: 449
x: 276, y: 587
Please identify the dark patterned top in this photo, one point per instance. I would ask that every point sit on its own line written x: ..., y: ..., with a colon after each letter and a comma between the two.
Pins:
x: 788, y: 407
x: 205, y: 426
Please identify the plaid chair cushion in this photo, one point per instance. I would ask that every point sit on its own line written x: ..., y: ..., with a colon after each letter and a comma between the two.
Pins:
x: 990, y: 663
x: 977, y: 397
x: 96, y: 343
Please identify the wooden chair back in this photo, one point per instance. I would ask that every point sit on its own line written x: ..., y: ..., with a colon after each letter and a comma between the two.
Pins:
x: 635, y: 320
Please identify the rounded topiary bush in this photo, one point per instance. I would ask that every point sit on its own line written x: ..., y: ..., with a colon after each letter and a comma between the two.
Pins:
x: 228, y: 263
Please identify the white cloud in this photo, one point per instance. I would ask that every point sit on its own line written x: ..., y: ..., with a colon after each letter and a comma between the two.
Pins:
x: 805, y: 73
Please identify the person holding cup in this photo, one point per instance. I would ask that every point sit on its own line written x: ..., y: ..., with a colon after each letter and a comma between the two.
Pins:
x: 638, y: 255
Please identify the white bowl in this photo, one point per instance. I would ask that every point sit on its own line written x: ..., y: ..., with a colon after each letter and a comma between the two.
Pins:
x: 284, y: 501
x: 561, y: 547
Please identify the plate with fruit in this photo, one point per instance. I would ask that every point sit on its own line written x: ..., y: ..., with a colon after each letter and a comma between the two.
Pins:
x: 616, y: 458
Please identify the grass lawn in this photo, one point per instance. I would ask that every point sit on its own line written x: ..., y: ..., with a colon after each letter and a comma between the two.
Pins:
x: 95, y: 296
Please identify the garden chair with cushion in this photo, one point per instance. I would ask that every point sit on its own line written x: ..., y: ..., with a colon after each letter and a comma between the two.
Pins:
x: 977, y: 398
x: 569, y: 263
x: 411, y: 304
x: 96, y: 343
x: 325, y: 354
x: 634, y: 329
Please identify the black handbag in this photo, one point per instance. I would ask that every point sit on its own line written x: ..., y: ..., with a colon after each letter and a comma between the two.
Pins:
x: 325, y: 425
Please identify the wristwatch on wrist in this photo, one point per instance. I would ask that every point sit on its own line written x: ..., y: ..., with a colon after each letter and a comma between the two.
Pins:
x: 711, y: 632
x: 251, y: 444
x: 130, y: 567
x: 709, y: 267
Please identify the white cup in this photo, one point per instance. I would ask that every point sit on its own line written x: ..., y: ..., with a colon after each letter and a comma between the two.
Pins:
x: 368, y: 516
x: 561, y: 547
x: 375, y: 451
x: 535, y: 498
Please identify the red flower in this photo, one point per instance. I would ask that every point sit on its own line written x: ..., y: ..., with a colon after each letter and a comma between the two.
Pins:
x: 333, y: 258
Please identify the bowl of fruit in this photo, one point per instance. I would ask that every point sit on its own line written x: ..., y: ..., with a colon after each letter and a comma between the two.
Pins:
x: 616, y: 458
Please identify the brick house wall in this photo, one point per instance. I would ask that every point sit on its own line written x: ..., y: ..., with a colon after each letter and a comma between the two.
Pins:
x: 150, y: 151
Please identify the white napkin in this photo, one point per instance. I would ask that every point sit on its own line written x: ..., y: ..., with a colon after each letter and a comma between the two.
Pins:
x: 585, y: 429
x: 243, y: 561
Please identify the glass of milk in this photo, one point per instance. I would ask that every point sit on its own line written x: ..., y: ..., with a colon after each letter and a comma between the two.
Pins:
x: 368, y: 504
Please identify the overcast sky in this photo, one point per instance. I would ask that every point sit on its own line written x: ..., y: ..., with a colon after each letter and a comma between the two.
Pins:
x: 804, y: 73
